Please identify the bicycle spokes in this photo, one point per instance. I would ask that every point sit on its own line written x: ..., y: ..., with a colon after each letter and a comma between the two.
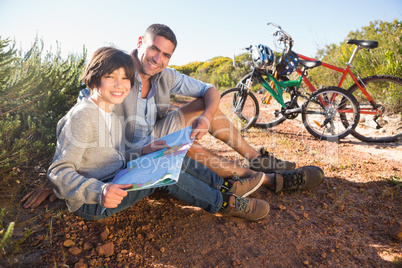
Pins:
x: 381, y: 114
x: 240, y: 107
x: 330, y: 114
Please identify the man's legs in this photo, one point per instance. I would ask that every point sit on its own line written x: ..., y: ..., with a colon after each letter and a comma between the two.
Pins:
x: 224, y: 167
x: 183, y: 117
x: 221, y: 128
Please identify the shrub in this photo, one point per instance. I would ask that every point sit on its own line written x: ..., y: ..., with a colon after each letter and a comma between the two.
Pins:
x: 36, y: 90
x: 218, y: 71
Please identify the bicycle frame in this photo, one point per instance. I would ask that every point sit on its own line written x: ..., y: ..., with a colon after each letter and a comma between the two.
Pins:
x: 279, y: 85
x: 345, y: 72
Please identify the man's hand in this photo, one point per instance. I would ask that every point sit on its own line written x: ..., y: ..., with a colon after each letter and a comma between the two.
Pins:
x: 200, y: 127
x: 36, y: 197
x: 113, y: 194
x: 154, y: 146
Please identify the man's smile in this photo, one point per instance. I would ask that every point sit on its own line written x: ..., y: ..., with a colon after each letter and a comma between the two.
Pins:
x: 152, y: 65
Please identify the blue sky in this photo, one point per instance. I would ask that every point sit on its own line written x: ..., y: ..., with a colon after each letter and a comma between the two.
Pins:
x: 204, y: 29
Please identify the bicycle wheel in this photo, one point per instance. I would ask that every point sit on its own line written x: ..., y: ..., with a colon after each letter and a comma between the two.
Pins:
x: 241, y: 111
x: 331, y: 113
x: 269, y: 115
x: 386, y: 91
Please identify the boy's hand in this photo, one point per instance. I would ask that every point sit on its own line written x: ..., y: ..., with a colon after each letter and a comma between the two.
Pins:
x: 113, y: 194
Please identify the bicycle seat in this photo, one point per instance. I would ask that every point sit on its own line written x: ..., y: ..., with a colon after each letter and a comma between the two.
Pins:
x: 363, y: 43
x: 310, y: 64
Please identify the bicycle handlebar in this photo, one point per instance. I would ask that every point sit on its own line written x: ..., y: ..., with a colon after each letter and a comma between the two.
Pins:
x: 279, y: 29
x: 275, y: 25
x: 285, y: 38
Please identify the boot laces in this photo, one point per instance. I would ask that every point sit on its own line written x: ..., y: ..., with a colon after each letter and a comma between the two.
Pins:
x: 237, y: 178
x: 241, y: 204
x: 294, y: 180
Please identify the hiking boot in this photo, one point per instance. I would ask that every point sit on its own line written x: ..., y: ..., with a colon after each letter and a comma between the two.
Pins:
x: 267, y: 163
x: 246, y: 186
x: 247, y: 208
x: 303, y: 178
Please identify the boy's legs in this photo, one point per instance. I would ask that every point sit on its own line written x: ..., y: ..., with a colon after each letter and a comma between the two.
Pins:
x: 202, y: 173
x: 197, y: 186
x: 201, y: 187
x: 202, y: 190
x: 97, y: 212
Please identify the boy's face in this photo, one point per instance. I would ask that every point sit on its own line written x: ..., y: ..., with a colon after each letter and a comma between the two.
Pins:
x: 154, y: 55
x: 113, y: 89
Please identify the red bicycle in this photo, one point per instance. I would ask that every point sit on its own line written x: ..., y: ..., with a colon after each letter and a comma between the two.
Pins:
x: 378, y: 123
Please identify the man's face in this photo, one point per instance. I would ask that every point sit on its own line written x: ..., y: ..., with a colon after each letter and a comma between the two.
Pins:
x: 154, y: 55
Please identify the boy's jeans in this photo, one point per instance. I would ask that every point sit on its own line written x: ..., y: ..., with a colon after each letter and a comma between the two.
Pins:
x: 197, y: 186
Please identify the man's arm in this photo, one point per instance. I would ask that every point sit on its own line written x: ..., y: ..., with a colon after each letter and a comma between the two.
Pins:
x: 202, y: 123
x: 188, y: 86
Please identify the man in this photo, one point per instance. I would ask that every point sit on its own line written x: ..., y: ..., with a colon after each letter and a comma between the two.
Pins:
x: 145, y: 110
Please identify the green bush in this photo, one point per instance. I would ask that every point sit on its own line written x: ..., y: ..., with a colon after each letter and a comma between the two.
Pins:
x: 218, y: 71
x: 36, y: 90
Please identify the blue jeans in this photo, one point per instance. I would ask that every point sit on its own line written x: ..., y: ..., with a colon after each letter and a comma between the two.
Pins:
x: 197, y: 186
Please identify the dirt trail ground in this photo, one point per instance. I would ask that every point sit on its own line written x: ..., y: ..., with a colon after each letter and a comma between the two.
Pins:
x: 354, y: 219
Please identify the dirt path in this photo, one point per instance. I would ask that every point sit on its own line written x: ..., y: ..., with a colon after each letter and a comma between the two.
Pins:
x: 354, y: 219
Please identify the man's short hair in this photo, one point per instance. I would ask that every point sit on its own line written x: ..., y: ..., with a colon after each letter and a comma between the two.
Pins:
x: 160, y: 30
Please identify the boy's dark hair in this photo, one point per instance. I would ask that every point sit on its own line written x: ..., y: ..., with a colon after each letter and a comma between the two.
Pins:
x: 106, y: 60
x: 160, y: 30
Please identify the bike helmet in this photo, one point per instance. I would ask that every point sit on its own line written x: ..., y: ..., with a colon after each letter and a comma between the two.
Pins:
x: 263, y: 56
x: 288, y: 64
